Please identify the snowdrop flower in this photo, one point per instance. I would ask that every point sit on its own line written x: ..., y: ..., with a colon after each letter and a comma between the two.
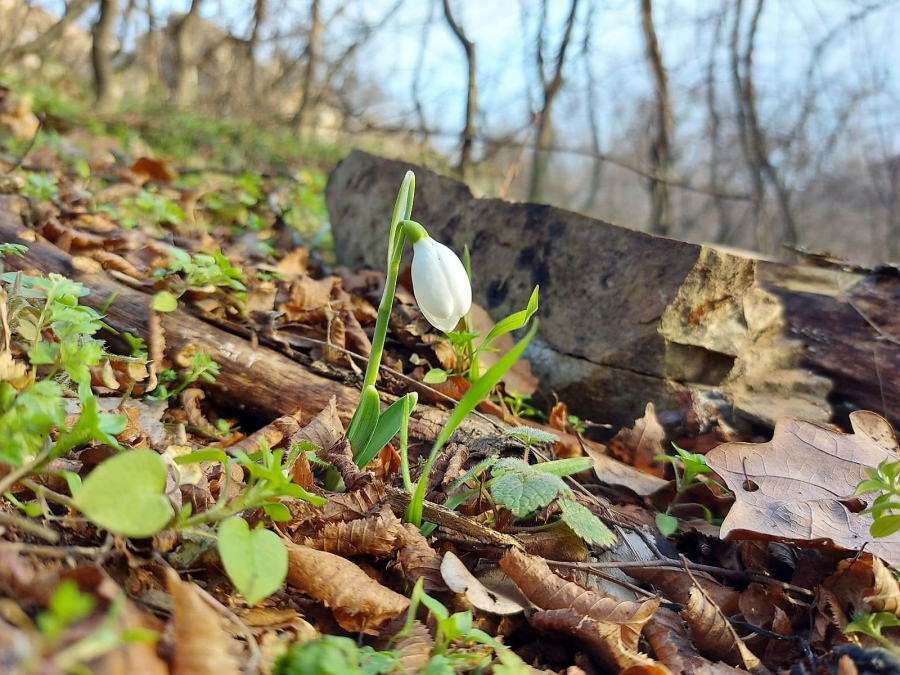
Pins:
x: 440, y: 282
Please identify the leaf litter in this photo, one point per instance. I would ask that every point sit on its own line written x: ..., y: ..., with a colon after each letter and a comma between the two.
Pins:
x: 780, y: 584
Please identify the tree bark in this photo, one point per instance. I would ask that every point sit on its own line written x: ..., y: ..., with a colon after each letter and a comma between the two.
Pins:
x: 660, y: 149
x: 101, y: 53
x: 468, y: 134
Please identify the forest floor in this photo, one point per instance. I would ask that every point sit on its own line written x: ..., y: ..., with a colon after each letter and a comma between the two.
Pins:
x: 179, y: 361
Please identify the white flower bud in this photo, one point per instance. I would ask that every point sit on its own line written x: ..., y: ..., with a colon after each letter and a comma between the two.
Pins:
x: 440, y: 284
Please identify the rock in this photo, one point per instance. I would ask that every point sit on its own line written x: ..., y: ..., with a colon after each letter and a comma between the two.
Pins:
x: 626, y: 318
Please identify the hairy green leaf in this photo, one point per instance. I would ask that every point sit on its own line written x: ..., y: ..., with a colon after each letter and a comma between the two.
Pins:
x: 523, y: 494
x: 585, y: 524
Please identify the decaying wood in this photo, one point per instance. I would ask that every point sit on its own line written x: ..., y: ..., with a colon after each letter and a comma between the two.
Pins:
x: 628, y: 318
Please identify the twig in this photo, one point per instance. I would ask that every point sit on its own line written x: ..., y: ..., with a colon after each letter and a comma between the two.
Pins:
x: 51, y: 551
x: 27, y: 525
x: 252, y: 647
x: 697, y: 567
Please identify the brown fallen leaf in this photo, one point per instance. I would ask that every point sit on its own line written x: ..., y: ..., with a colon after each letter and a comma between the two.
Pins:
x: 677, y: 585
x: 614, y: 472
x: 415, y: 648
x: 202, y: 646
x: 714, y: 635
x: 548, y: 591
x: 673, y: 647
x: 885, y: 593
x: 637, y: 447
x: 418, y: 560
x: 602, y: 639
x: 324, y: 429
x: 795, y: 487
x: 151, y: 169
x: 375, y: 535
x: 359, y: 603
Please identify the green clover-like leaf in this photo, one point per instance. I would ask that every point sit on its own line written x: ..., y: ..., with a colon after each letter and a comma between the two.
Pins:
x: 256, y: 560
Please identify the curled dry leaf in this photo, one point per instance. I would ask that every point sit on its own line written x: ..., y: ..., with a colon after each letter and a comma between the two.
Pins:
x: 415, y: 648
x: 548, y: 591
x: 359, y: 603
x: 795, y: 487
x: 714, y: 635
x: 601, y: 638
x: 638, y: 446
x: 324, y: 429
x: 460, y: 580
x: 202, y: 647
x: 677, y: 585
x: 667, y: 635
x: 418, y: 560
x: 190, y: 399
x: 375, y: 535
x: 885, y: 593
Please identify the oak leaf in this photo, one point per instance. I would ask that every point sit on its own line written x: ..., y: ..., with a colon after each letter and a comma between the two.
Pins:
x: 797, y: 486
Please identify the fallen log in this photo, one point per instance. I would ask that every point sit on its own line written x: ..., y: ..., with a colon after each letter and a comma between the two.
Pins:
x: 628, y: 317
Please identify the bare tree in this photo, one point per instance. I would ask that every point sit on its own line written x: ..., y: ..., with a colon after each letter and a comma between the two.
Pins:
x: 753, y: 138
x: 313, y: 54
x: 185, y: 60
x: 550, y: 85
x: 42, y: 42
x: 101, y: 53
x: 591, y: 95
x: 468, y: 133
x: 259, y: 15
x: 660, y: 149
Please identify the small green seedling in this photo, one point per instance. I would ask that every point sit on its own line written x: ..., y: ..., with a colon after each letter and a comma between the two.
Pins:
x: 872, y: 624
x: 689, y: 467
x: 885, y: 509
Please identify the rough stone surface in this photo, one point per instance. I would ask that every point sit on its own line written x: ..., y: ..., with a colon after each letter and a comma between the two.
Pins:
x: 626, y: 317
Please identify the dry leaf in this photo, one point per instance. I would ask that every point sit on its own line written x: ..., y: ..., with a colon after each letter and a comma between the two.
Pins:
x: 418, y: 560
x: 202, y: 646
x: 602, y: 639
x: 638, y: 446
x: 324, y: 429
x: 549, y: 591
x: 358, y: 602
x: 677, y: 585
x: 149, y: 169
x: 800, y: 481
x: 885, y: 594
x: 376, y: 535
x: 415, y: 648
x: 613, y: 472
x: 667, y: 635
x: 460, y: 580
x: 713, y: 634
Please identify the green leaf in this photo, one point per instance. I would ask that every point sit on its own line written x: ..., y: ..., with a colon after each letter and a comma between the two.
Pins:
x: 885, y: 526
x: 278, y: 512
x: 531, y: 435
x: 435, y: 376
x: 513, y: 321
x: 364, y: 421
x: 164, y: 302
x: 564, y: 467
x: 585, y: 524
x: 476, y: 393
x: 126, y: 494
x: 28, y: 420
x: 388, y: 425
x: 256, y: 561
x: 523, y: 494
x: 666, y: 524
x: 91, y: 425
x: 210, y: 455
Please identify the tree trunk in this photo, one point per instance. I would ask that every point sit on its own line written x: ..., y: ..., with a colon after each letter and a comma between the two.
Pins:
x: 468, y: 134
x: 660, y: 150
x: 74, y: 10
x: 313, y: 55
x: 101, y: 53
x: 185, y: 60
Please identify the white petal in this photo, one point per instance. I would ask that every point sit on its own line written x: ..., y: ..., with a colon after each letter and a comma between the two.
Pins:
x: 440, y: 284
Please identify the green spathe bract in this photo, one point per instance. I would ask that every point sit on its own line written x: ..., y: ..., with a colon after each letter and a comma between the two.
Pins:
x: 126, y: 494
x: 255, y: 560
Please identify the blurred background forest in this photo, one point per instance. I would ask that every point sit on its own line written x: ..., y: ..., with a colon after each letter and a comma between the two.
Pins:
x: 760, y: 124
